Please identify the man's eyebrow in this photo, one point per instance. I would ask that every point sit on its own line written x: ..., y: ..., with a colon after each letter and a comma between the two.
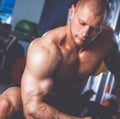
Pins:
x: 93, y: 26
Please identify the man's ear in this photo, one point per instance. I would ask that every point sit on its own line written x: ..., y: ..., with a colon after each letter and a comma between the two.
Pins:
x: 72, y: 11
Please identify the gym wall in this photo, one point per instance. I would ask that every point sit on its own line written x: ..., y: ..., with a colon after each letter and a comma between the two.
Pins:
x: 27, y: 9
x: 55, y: 13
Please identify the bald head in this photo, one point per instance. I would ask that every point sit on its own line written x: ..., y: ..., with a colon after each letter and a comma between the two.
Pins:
x: 98, y: 7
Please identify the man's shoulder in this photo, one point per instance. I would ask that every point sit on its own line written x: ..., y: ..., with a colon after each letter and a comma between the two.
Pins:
x: 52, y: 37
x: 107, y: 29
x: 107, y: 32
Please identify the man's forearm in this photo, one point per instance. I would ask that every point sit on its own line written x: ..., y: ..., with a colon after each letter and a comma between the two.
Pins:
x: 45, y: 111
x: 117, y: 88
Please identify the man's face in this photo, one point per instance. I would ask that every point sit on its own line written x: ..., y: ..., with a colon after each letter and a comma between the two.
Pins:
x: 84, y: 25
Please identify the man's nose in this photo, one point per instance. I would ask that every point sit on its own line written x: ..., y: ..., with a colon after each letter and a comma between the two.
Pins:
x: 85, y: 31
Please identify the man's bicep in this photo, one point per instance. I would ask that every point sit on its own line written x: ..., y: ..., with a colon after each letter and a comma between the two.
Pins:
x: 39, y: 69
x: 35, y: 88
x: 42, y: 60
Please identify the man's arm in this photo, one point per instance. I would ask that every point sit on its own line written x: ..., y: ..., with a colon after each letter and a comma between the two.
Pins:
x: 37, y: 83
x: 113, y: 63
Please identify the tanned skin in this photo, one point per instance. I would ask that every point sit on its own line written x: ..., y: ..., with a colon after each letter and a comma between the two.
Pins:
x: 11, y: 104
x: 60, y: 62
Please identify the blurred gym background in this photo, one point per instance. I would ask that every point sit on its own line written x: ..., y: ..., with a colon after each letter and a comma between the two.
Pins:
x: 21, y: 21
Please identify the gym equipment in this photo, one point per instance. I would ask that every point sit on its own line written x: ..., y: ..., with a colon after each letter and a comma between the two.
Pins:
x: 10, y: 51
x: 6, y: 27
x: 24, y: 27
x: 28, y: 28
x: 104, y: 99
x: 81, y: 106
x: 17, y: 69
x: 98, y: 111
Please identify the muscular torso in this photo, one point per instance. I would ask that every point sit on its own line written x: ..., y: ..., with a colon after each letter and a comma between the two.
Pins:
x: 72, y: 73
x: 76, y: 67
x: 52, y: 58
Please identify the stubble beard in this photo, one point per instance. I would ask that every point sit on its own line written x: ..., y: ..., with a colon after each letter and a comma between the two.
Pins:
x: 78, y: 42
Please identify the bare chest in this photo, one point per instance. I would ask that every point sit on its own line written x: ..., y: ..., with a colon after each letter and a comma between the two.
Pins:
x: 78, y: 66
x: 74, y: 70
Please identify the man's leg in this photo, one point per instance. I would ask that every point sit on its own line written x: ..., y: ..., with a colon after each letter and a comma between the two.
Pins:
x: 11, y: 104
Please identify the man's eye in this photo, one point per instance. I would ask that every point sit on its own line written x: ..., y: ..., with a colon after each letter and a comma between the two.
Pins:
x: 82, y: 23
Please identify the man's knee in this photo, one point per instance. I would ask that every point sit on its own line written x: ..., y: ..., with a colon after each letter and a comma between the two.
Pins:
x: 4, y: 102
x: 14, y: 97
x: 5, y: 105
x: 11, y: 104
